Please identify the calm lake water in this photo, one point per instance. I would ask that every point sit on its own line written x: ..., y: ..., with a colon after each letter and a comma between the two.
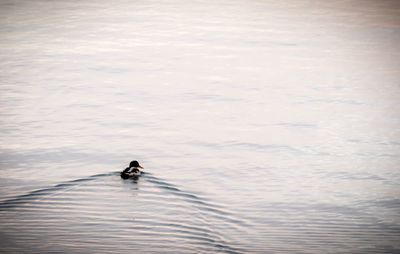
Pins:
x: 263, y: 126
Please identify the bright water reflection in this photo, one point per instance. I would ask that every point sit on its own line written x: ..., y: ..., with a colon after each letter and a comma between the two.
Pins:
x: 265, y: 126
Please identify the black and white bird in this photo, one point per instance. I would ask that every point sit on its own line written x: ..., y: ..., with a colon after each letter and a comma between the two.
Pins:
x: 133, y: 171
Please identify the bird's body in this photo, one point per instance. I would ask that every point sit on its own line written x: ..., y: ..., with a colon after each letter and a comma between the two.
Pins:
x: 132, y: 171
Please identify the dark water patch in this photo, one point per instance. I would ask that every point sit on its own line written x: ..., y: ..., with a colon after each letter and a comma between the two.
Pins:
x: 215, y: 98
x: 298, y: 125
x: 271, y: 148
x: 10, y: 158
x: 264, y: 147
x: 308, y: 99
x: 350, y: 176
x: 393, y: 203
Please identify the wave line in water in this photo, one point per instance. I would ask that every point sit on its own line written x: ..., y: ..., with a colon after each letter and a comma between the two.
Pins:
x: 199, y: 203
x: 75, y: 211
x: 36, y: 194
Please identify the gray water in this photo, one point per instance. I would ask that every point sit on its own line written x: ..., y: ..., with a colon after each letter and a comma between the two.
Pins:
x: 263, y: 126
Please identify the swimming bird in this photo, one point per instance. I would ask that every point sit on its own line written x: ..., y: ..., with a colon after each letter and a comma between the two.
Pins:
x: 132, y: 171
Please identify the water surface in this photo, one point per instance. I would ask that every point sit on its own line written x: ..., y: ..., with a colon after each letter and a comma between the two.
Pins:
x: 264, y: 126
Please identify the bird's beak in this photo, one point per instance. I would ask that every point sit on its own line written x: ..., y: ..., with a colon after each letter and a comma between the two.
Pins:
x: 140, y: 166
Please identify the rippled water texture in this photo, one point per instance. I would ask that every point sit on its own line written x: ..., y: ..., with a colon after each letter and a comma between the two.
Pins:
x: 263, y: 126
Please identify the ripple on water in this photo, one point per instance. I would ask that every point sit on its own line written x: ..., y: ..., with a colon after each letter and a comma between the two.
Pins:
x: 103, y: 213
